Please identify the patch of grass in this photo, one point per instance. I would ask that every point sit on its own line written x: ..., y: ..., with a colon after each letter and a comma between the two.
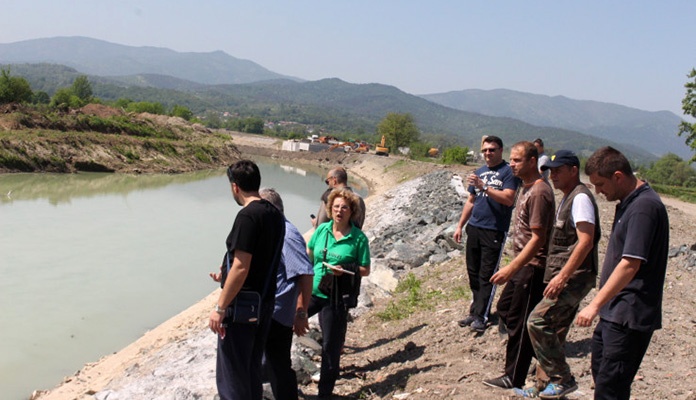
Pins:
x: 410, y: 297
x: 397, y: 164
x: 682, y: 193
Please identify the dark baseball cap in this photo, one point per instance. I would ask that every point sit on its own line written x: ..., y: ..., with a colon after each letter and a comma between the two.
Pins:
x: 561, y: 157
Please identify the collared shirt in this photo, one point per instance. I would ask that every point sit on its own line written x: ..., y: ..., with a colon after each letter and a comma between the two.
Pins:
x: 640, y: 231
x: 293, y: 264
x: 351, y: 249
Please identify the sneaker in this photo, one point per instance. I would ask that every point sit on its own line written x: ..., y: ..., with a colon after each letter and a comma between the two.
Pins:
x: 558, y: 390
x: 467, y: 321
x: 530, y: 392
x: 503, y: 382
x: 478, y: 326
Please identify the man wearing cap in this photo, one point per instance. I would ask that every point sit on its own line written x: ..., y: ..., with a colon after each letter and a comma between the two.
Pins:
x: 571, y: 272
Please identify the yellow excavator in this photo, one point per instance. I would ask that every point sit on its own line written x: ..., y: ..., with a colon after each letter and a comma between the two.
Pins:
x: 381, y: 149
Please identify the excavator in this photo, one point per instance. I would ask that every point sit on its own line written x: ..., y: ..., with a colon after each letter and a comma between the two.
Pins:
x: 381, y: 149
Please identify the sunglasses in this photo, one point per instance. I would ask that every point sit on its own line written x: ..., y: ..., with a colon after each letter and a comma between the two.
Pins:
x: 326, y: 181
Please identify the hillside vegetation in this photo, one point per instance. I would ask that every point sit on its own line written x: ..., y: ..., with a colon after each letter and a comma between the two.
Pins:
x: 329, y: 106
x: 105, y: 139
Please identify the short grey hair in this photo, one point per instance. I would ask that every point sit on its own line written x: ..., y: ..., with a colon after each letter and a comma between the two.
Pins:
x: 273, y: 197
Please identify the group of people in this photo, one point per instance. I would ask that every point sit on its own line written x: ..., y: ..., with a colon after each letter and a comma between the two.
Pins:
x: 267, y: 255
x: 555, y: 264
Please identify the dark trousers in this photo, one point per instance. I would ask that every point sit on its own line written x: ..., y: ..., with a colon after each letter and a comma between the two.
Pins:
x: 238, y: 372
x: 617, y: 352
x: 520, y: 296
x: 482, y: 253
x: 278, y: 364
x: 333, y: 320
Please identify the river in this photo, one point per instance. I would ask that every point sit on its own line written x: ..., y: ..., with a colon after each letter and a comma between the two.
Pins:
x: 89, y: 262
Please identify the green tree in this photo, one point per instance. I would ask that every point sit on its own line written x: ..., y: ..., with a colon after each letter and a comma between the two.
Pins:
x: 399, y: 130
x: 182, y: 111
x: 455, y: 155
x: 253, y: 125
x: 671, y: 170
x: 64, y: 98
x: 14, y: 89
x: 82, y: 88
x: 689, y: 108
x: 41, y: 97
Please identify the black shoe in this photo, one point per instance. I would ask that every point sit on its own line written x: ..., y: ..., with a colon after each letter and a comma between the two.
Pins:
x: 478, y: 326
x: 503, y: 382
x: 467, y: 321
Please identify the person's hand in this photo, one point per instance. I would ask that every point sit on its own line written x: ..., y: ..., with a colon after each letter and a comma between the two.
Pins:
x: 473, y: 180
x: 338, y: 271
x: 457, y: 235
x: 216, y: 276
x: 586, y: 316
x: 215, y: 323
x: 502, y: 276
x: 301, y: 324
x: 555, y: 287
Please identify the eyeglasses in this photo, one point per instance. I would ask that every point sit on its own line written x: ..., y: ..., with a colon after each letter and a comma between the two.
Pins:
x: 490, y: 150
x: 342, y: 208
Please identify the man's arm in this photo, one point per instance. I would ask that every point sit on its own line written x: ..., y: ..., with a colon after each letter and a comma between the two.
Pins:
x: 505, y: 197
x: 321, y: 215
x: 528, y: 252
x: 466, y: 214
x: 585, y: 232
x: 233, y: 284
x: 624, y: 273
x: 301, y: 325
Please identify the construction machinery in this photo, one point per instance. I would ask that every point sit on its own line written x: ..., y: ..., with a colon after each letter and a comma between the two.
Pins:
x: 381, y: 149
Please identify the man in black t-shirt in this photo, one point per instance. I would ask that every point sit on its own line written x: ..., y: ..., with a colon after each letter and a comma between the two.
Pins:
x: 629, y: 301
x: 254, y: 248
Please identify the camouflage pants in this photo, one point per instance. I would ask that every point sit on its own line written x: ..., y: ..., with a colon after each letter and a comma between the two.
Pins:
x: 548, y: 327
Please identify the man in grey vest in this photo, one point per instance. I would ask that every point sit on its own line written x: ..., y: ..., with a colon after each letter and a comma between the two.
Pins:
x: 571, y: 272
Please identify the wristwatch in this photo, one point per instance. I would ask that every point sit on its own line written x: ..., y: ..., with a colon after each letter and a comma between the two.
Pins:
x: 219, y: 310
x: 300, y: 313
x: 484, y: 187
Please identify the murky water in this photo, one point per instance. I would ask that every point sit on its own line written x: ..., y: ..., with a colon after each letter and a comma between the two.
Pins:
x: 89, y: 262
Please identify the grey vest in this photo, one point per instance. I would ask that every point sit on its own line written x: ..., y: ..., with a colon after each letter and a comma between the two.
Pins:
x: 564, y: 239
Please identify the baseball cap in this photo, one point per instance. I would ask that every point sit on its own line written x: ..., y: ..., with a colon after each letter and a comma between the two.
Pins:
x: 561, y: 157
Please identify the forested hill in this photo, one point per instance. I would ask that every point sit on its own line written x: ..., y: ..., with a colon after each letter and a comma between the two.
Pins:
x: 333, y: 105
x: 653, y: 131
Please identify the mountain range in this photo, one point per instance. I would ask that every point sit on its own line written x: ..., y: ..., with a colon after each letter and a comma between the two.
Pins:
x: 218, y: 82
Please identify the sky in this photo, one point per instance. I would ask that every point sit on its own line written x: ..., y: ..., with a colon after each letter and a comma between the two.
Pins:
x: 634, y: 53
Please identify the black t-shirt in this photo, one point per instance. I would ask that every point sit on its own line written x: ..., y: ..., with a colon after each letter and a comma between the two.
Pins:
x: 259, y: 229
